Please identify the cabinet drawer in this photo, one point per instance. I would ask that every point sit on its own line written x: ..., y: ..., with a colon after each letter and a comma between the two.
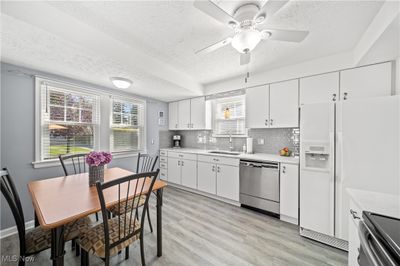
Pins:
x: 163, y: 153
x: 163, y: 174
x: 163, y: 159
x: 218, y: 160
x: 181, y: 155
x: 163, y: 165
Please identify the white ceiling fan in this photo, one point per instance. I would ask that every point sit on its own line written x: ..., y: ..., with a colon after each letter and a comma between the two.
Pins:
x: 245, y: 23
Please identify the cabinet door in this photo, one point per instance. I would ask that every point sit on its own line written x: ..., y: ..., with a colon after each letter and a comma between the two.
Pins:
x: 206, y: 181
x: 189, y: 173
x: 197, y: 113
x: 184, y: 114
x: 289, y: 190
x: 368, y: 81
x: 174, y: 170
x: 173, y: 115
x: 257, y: 107
x: 284, y: 107
x: 319, y: 89
x: 228, y: 182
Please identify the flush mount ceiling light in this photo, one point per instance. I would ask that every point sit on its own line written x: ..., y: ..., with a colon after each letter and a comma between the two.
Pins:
x: 121, y: 83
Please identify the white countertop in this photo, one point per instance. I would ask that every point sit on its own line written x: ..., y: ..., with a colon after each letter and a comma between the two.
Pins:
x: 262, y: 157
x: 386, y: 204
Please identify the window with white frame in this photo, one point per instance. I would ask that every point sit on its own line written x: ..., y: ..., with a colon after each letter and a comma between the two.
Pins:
x: 127, y: 125
x: 69, y: 119
x: 229, y: 116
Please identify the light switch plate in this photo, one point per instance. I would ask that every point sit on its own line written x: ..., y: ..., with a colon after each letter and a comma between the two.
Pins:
x: 260, y: 141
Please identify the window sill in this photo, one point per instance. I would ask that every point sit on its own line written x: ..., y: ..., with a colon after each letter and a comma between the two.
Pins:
x: 56, y: 162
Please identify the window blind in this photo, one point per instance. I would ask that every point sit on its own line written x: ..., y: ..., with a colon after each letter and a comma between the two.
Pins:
x: 127, y: 125
x: 69, y: 121
x: 234, y: 122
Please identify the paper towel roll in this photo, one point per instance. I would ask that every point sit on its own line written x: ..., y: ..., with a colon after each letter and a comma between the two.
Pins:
x: 249, y: 144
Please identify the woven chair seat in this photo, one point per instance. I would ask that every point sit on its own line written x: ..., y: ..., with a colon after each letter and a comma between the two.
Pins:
x: 114, y: 209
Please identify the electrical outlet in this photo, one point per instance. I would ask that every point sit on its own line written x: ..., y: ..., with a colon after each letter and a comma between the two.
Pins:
x: 260, y: 141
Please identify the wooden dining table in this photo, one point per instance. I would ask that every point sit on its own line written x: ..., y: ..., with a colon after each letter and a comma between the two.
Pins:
x: 60, y: 200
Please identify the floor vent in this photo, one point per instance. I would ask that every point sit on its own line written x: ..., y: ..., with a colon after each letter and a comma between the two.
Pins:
x: 328, y: 240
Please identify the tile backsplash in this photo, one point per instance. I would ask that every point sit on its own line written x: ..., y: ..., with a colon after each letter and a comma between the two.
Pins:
x: 269, y: 140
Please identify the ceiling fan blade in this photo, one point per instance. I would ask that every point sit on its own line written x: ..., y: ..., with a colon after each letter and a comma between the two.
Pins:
x: 271, y: 7
x: 214, y: 11
x: 245, y: 59
x: 215, y: 46
x: 285, y: 35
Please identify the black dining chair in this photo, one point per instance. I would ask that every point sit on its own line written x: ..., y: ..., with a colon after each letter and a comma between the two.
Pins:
x: 115, y: 234
x: 145, y: 163
x: 37, y: 239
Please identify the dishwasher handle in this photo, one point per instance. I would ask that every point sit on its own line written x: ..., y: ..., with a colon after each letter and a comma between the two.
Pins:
x: 260, y: 165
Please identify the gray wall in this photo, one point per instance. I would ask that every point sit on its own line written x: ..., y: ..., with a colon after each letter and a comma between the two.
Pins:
x: 18, y: 138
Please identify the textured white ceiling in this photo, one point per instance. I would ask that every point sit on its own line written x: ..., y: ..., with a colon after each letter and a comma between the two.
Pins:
x: 153, y: 42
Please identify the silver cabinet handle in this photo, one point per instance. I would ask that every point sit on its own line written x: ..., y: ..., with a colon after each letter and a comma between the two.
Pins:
x: 179, y: 162
x: 213, y: 168
x: 271, y: 122
x: 266, y: 122
x: 284, y: 169
x: 215, y: 159
x: 218, y: 169
x: 182, y: 163
x: 334, y: 97
x: 345, y: 95
x: 354, y: 214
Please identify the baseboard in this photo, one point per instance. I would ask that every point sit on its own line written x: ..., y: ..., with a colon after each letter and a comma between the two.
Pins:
x: 289, y: 219
x: 232, y: 202
x: 13, y: 230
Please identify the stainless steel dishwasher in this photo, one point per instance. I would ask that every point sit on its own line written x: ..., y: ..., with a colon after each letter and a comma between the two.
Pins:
x: 259, y: 185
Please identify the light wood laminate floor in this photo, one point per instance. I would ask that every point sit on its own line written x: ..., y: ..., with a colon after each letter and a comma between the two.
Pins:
x: 202, y: 231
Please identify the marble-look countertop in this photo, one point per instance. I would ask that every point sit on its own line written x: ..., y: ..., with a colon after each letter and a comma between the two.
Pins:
x: 261, y: 157
x: 386, y: 204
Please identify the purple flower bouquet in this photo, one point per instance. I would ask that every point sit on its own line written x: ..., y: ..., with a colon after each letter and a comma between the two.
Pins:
x: 96, y: 161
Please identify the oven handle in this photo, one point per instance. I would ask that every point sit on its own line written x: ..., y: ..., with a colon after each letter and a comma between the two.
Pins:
x: 363, y: 233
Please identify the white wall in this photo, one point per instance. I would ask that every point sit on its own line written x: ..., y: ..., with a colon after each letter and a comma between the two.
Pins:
x: 320, y: 65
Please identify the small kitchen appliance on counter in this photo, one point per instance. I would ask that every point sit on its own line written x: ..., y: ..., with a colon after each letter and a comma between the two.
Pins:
x: 177, y: 141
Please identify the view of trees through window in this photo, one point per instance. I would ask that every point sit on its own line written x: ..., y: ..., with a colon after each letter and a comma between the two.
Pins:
x: 69, y: 123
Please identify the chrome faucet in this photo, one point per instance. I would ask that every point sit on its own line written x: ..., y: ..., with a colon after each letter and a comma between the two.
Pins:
x: 230, y: 142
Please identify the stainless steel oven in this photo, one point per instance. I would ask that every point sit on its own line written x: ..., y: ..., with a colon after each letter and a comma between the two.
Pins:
x: 259, y: 185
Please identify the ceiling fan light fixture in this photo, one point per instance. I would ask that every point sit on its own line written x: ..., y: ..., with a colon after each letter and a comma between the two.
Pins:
x: 121, y: 83
x: 246, y: 40
x: 259, y: 19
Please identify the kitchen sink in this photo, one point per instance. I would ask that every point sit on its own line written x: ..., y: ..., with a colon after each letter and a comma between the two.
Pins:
x: 225, y: 152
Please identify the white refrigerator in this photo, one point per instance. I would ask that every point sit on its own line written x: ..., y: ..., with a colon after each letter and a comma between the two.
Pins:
x: 349, y: 144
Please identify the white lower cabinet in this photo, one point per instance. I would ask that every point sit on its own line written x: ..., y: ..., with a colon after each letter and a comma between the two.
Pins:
x: 206, y: 173
x: 189, y: 173
x: 174, y: 170
x: 289, y: 204
x: 228, y: 182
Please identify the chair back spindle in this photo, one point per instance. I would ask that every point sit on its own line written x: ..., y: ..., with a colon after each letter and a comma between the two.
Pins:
x: 146, y: 163
x: 77, y: 161
x: 11, y: 195
x: 130, y: 223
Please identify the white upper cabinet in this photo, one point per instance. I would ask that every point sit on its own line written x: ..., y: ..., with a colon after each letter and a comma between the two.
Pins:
x: 190, y: 114
x: 257, y: 107
x: 173, y: 115
x: 319, y: 89
x: 184, y: 114
x: 367, y: 81
x: 284, y: 104
x: 197, y: 111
